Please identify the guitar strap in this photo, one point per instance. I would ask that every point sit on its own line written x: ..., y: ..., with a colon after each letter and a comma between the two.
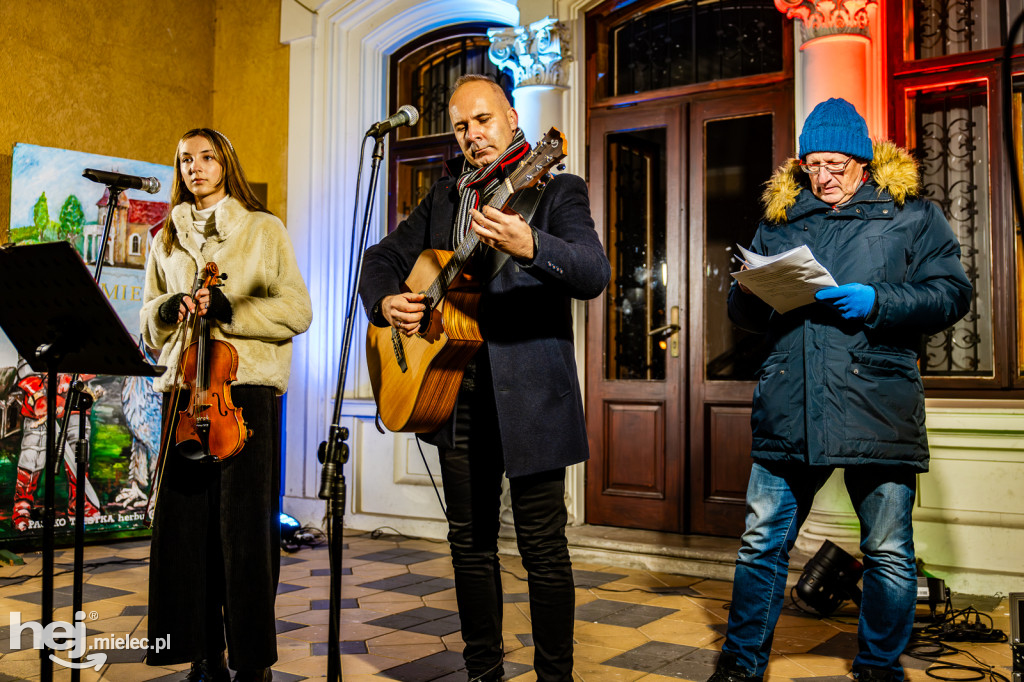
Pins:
x: 525, y: 203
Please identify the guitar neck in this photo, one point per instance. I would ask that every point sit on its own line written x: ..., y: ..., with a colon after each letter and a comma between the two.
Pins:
x: 545, y: 154
x: 439, y: 287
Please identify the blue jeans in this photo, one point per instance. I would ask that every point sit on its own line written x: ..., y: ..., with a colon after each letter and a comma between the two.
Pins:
x: 779, y: 497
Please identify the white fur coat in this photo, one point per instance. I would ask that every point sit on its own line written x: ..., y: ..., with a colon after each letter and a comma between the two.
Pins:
x: 269, y: 300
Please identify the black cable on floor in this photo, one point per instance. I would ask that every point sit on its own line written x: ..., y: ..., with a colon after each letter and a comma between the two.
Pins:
x: 7, y: 581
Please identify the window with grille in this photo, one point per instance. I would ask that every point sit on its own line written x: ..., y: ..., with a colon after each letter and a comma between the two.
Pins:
x: 948, y: 113
x: 955, y: 27
x: 422, y: 74
x: 654, y: 46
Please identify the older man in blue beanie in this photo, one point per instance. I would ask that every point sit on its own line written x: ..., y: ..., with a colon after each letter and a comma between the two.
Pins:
x: 840, y: 387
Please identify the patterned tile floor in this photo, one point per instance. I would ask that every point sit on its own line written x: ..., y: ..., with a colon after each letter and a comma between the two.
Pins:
x: 399, y: 620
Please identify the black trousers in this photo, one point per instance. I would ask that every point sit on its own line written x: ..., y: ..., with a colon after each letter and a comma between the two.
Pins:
x: 216, y: 548
x: 471, y: 473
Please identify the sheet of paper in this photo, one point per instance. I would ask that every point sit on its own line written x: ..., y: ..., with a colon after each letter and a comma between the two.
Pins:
x: 784, y: 281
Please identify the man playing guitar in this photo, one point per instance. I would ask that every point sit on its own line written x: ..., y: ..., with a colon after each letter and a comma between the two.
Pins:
x: 519, y: 410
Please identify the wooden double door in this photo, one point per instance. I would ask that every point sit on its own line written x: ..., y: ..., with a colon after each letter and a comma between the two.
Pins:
x: 675, y: 186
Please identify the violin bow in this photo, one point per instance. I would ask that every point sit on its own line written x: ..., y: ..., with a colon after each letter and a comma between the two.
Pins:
x: 189, y: 324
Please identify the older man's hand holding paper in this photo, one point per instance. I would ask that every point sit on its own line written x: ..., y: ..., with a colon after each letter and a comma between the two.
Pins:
x: 785, y: 281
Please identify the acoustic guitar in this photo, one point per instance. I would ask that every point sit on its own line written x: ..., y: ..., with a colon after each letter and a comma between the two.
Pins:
x: 416, y: 378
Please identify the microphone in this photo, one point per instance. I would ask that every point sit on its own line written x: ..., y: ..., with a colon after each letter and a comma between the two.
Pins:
x: 121, y: 181
x: 405, y: 116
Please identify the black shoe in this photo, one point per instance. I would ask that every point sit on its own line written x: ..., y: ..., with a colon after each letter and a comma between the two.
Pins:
x: 209, y: 671
x: 867, y: 673
x: 728, y: 671
x: 259, y: 675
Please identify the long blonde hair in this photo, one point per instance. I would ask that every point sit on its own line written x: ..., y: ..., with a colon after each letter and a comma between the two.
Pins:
x: 235, y: 181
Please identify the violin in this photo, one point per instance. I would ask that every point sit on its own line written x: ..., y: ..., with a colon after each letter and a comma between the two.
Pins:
x: 211, y: 426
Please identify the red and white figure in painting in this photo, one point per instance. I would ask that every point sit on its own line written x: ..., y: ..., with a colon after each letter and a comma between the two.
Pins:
x: 32, y: 458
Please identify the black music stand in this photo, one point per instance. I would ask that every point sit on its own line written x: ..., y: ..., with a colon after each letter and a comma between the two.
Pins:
x: 60, y: 322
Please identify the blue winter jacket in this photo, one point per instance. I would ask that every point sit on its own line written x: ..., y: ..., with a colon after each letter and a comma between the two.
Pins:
x: 834, y: 392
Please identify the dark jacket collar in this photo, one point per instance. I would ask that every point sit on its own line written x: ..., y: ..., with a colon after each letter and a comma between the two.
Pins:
x: 456, y: 166
x: 869, y: 202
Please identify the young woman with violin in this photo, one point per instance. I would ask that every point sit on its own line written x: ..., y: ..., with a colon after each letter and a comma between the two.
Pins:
x: 222, y: 300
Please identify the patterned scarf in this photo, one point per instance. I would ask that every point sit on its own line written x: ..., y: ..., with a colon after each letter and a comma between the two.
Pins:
x: 477, y: 183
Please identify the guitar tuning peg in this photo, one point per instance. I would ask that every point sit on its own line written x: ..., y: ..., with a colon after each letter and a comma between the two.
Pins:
x: 560, y: 167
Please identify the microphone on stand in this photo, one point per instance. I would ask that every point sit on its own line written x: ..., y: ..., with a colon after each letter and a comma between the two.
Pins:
x: 121, y: 181
x: 405, y: 116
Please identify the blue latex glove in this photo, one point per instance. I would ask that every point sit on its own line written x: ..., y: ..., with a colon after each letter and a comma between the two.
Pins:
x: 853, y: 301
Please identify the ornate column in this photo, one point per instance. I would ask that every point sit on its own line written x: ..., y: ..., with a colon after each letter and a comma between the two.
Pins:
x: 835, y: 60
x: 838, y: 57
x: 537, y: 55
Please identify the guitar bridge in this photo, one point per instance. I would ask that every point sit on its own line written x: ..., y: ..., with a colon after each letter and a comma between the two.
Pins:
x: 396, y: 343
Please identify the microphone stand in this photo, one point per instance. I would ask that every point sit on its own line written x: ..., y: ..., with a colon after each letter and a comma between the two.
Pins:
x: 333, y: 452
x: 55, y: 454
x: 81, y: 401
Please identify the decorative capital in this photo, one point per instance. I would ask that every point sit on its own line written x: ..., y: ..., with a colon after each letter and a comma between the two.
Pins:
x: 828, y: 17
x: 534, y: 54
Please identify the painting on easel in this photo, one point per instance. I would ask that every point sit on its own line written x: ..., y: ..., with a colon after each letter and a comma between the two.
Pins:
x: 50, y: 201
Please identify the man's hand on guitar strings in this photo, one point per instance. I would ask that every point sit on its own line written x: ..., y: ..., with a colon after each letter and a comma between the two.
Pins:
x: 404, y: 311
x: 506, y: 232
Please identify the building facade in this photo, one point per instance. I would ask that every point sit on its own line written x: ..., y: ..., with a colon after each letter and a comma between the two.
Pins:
x: 675, y: 113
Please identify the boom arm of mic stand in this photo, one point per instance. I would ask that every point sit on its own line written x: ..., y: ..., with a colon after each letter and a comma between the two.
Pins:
x: 333, y: 452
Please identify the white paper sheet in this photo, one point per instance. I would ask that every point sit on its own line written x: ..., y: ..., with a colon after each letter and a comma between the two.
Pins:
x: 785, y: 281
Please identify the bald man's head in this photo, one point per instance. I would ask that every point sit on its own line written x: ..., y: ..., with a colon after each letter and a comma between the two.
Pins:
x: 482, y: 118
x: 478, y: 78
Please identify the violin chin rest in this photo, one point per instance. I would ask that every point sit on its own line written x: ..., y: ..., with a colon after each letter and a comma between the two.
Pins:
x: 192, y: 449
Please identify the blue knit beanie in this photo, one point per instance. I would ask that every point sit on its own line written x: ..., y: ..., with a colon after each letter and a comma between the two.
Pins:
x: 835, y: 126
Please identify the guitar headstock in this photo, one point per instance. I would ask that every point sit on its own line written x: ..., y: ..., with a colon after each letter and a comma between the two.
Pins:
x: 544, y: 155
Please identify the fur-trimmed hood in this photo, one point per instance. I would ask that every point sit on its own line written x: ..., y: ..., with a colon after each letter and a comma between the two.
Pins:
x: 893, y: 171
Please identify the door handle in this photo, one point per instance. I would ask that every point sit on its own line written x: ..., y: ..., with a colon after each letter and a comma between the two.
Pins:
x: 670, y: 332
x: 664, y: 332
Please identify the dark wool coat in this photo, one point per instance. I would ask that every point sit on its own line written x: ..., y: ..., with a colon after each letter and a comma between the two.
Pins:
x: 838, y: 392
x: 525, y: 317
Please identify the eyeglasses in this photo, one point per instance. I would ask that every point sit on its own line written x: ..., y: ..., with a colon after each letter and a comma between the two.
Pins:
x: 833, y: 168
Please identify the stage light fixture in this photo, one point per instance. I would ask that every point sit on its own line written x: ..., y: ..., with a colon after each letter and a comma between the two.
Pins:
x: 289, y: 525
x: 829, y: 578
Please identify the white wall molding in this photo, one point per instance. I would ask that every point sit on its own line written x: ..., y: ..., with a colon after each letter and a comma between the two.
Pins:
x: 337, y: 89
x: 969, y: 518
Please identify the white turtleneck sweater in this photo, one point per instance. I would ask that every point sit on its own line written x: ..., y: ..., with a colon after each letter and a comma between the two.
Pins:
x: 204, y: 222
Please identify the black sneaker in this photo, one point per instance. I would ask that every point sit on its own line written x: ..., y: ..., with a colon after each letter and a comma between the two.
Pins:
x: 867, y: 673
x: 207, y: 671
x: 727, y: 671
